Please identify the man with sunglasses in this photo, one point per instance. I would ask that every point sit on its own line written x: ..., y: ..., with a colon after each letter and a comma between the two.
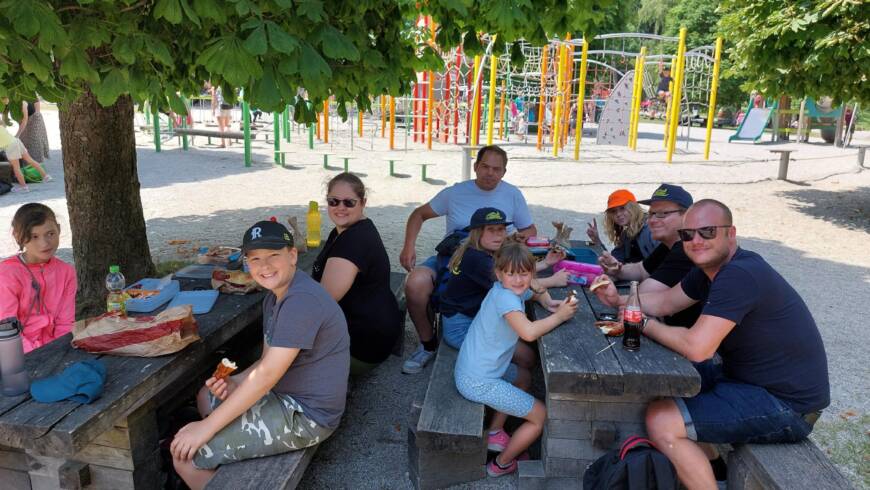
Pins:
x: 457, y: 203
x: 772, y: 382
x: 668, y: 264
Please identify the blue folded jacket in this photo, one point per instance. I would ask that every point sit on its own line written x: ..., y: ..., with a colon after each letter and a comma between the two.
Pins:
x: 80, y: 382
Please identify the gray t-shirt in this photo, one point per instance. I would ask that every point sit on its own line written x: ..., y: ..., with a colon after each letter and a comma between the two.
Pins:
x: 309, y: 319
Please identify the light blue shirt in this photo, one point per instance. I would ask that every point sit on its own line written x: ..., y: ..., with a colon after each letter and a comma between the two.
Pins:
x: 490, y: 343
x: 459, y: 201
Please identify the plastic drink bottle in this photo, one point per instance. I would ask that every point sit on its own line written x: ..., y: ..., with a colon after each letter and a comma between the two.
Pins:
x: 632, y: 319
x: 15, y: 379
x: 116, y: 300
x: 313, y: 224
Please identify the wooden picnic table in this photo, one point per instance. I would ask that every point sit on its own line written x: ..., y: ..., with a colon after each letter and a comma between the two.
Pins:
x: 597, y: 393
x: 112, y: 442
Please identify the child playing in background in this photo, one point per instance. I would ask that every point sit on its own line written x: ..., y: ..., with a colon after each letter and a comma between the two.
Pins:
x: 15, y: 152
x: 484, y: 372
x: 35, y: 286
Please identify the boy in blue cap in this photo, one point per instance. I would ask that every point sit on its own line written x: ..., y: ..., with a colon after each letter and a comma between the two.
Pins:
x: 293, y: 397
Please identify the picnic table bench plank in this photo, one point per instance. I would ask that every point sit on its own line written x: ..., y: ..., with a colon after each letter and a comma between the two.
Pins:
x: 279, y: 471
x: 572, y: 359
x: 797, y: 466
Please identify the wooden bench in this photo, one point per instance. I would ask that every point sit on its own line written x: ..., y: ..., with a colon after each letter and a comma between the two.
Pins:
x: 796, y: 466
x: 446, y: 440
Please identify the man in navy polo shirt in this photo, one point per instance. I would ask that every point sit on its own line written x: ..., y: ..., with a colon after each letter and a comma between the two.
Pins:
x: 773, y: 380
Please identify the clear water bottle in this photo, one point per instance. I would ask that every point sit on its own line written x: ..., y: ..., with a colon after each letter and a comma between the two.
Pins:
x: 313, y: 224
x: 116, y: 300
x: 15, y: 378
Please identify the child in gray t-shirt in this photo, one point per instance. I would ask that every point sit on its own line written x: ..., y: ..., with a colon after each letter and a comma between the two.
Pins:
x: 294, y: 396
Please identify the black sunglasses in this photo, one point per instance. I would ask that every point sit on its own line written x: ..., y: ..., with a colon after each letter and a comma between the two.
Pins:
x: 333, y: 202
x: 706, y: 232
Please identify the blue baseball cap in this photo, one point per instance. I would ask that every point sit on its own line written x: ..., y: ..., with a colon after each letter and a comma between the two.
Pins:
x: 80, y: 382
x: 487, y: 216
x: 672, y: 193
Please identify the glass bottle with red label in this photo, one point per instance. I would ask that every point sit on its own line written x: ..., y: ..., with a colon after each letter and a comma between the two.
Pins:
x: 633, y: 320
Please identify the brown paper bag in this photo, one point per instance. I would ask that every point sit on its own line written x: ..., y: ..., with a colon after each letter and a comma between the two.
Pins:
x: 142, y: 336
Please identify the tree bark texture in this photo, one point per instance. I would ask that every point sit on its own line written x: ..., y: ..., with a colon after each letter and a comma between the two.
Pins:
x: 102, y: 189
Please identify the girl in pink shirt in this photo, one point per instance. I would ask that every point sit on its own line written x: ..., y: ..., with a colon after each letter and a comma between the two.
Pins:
x: 35, y: 286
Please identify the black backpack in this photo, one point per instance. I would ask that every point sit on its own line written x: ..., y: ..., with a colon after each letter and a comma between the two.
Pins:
x: 637, y: 465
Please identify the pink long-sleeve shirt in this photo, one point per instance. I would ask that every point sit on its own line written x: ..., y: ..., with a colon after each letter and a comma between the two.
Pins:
x: 47, y: 317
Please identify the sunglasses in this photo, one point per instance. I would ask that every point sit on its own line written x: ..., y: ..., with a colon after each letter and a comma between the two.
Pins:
x: 333, y: 202
x: 663, y: 214
x: 706, y: 232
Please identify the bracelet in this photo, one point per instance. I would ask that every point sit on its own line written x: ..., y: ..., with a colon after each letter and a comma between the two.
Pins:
x: 643, y: 323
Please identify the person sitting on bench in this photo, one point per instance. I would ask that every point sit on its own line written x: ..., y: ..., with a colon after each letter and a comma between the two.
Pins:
x: 293, y: 397
x: 354, y: 268
x: 772, y: 382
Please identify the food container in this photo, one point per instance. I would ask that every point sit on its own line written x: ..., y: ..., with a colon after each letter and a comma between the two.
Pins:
x: 584, y: 255
x: 579, y: 273
x: 537, y: 241
x: 201, y: 301
x: 167, y: 289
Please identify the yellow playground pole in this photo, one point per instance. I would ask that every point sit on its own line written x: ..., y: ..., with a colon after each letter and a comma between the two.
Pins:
x: 581, y: 95
x: 490, y: 112
x: 541, y: 106
x: 317, y: 124
x: 430, y: 97
x: 569, y: 90
x: 501, y: 127
x: 557, y: 117
x: 326, y: 121
x: 714, y: 88
x: 677, y: 94
x: 638, y: 96
x: 360, y: 117
x: 392, y: 123
x: 637, y: 76
x: 383, y: 116
x: 475, y: 108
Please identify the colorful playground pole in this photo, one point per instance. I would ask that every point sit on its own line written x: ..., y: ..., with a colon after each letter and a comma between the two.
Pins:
x: 581, y: 95
x: 383, y: 116
x: 360, y: 117
x: 246, y: 126
x: 557, y: 117
x: 429, y: 97
x: 677, y: 94
x: 317, y: 124
x: 501, y: 116
x: 475, y: 108
x: 287, y: 123
x: 490, y: 114
x: 393, y: 122
x: 539, y: 117
x: 569, y: 90
x: 711, y: 113
x: 326, y: 120
x: 636, y: 99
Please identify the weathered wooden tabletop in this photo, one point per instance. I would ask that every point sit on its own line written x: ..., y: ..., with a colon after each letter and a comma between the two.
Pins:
x: 574, y: 362
x: 63, y: 428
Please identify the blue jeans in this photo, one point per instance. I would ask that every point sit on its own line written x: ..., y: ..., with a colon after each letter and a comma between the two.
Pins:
x: 455, y: 328
x: 729, y: 411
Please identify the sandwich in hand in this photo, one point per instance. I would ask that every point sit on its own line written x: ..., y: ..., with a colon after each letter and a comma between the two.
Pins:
x: 599, y: 282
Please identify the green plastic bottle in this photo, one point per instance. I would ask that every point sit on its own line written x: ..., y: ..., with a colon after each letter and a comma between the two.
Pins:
x: 313, y: 224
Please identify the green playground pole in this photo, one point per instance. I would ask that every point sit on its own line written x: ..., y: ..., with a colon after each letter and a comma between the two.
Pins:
x: 184, y: 124
x: 287, y: 123
x: 246, y: 118
x: 157, y: 132
x: 276, y: 119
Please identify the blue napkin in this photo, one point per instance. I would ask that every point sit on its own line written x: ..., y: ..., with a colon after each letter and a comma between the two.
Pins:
x: 80, y: 382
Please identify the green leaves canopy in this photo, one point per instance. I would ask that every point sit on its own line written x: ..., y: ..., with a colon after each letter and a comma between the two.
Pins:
x: 154, y: 50
x: 800, y: 48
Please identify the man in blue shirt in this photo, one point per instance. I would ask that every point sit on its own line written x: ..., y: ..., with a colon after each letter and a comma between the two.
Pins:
x: 772, y: 382
x: 457, y: 203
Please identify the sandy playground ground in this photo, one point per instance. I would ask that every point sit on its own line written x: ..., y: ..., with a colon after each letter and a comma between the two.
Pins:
x: 813, y: 229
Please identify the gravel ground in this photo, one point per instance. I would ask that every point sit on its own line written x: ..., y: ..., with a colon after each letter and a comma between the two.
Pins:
x: 813, y: 229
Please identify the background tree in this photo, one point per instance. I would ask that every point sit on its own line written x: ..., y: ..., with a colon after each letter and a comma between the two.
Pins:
x: 97, y: 58
x: 798, y: 48
x: 653, y: 14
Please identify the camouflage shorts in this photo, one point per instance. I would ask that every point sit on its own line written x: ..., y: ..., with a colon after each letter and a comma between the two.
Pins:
x: 275, y: 424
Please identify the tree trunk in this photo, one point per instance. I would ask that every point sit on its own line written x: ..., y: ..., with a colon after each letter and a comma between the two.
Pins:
x: 102, y: 190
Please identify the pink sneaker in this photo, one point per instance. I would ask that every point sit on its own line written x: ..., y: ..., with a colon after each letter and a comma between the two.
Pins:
x: 498, y: 441
x: 493, y: 469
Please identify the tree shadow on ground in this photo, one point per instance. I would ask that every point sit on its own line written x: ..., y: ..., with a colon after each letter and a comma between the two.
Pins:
x: 847, y: 209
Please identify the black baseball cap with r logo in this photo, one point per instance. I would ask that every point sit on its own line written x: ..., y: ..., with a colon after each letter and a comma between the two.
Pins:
x: 270, y: 235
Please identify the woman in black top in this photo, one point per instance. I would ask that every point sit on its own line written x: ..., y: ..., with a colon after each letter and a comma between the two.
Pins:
x: 354, y: 268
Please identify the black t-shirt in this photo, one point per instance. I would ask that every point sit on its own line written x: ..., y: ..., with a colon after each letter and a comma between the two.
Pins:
x: 629, y: 251
x: 373, y: 317
x: 669, y: 266
x: 664, y: 84
x: 467, y: 286
x: 775, y: 343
